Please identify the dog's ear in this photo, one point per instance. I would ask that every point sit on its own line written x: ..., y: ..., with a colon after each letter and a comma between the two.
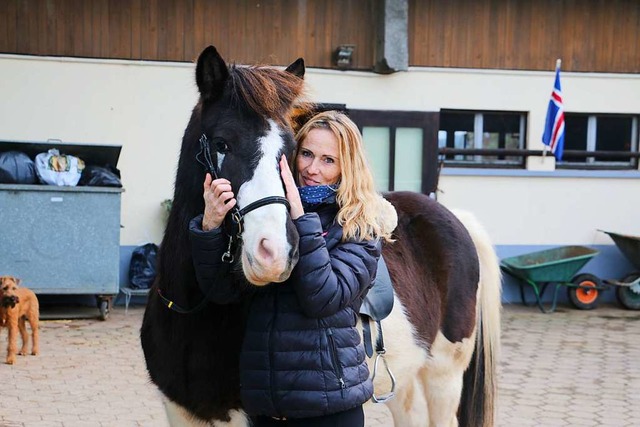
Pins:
x: 18, y: 281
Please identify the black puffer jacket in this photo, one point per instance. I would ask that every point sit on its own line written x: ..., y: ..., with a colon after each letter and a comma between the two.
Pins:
x: 302, y: 355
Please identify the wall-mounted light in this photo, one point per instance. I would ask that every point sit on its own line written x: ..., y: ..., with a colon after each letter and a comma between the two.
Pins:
x: 344, y: 55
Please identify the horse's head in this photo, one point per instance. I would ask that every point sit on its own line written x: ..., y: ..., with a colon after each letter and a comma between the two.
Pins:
x: 244, y: 114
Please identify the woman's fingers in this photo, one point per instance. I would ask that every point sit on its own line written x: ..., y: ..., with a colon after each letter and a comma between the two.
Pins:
x: 218, y: 200
x: 293, y: 196
x: 285, y: 172
x: 212, y: 184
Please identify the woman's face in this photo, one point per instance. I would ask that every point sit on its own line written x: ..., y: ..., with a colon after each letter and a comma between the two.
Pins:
x: 318, y: 160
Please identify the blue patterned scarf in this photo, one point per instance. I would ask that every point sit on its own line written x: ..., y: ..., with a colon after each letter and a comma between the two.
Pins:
x: 315, y: 194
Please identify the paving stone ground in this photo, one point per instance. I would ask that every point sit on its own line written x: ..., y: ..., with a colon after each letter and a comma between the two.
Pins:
x: 569, y: 368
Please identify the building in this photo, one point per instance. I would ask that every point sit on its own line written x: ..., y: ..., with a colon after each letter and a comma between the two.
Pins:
x: 416, y: 75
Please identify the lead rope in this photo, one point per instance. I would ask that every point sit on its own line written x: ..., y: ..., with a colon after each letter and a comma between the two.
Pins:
x: 175, y: 307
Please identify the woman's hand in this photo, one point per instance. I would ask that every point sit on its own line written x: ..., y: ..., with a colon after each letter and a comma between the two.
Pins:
x: 218, y: 200
x: 293, y: 196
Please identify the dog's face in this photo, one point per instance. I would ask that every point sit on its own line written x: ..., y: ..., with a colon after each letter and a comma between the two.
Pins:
x: 8, y: 288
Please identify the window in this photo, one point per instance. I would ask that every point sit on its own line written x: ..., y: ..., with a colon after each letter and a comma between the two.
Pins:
x: 401, y: 148
x: 468, y: 130
x: 601, y: 132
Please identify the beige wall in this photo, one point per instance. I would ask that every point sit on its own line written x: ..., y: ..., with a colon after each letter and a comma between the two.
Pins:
x: 542, y: 210
x: 145, y: 107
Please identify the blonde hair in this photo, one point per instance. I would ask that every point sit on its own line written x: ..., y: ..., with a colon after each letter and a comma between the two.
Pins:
x: 360, y: 213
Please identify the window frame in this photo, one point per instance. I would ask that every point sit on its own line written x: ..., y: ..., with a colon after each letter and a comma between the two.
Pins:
x: 428, y: 121
x: 591, y: 144
x: 449, y: 160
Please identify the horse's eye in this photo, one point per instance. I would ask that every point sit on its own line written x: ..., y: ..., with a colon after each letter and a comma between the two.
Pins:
x: 221, y: 146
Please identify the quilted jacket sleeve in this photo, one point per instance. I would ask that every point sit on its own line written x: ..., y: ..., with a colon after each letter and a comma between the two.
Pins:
x: 326, y: 281
x: 207, y: 248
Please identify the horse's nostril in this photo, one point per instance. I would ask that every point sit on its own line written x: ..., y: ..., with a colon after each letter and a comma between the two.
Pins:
x: 266, y: 251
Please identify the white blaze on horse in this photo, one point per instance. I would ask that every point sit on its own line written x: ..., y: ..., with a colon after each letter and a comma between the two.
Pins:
x: 442, y: 336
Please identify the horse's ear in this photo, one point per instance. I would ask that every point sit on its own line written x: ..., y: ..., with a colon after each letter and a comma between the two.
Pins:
x: 211, y: 73
x: 297, y: 68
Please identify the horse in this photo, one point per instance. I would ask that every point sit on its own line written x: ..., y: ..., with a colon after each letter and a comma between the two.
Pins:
x: 442, y: 336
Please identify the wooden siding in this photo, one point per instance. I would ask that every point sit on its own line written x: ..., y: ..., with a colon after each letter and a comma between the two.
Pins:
x: 268, y: 31
x: 588, y: 35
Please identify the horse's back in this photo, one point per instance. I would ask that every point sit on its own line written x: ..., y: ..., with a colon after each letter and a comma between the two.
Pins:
x: 434, y: 267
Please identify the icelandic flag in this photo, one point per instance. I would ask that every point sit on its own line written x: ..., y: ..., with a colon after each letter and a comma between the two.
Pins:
x: 553, y: 135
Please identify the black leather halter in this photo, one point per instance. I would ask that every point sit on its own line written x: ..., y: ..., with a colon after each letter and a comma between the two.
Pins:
x: 234, y: 221
x: 233, y: 226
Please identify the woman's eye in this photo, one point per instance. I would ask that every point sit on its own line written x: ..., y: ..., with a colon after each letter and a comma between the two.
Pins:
x: 221, y: 146
x: 329, y: 160
x: 305, y: 153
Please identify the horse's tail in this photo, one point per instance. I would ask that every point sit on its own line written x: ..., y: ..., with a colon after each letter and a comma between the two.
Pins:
x: 479, y: 390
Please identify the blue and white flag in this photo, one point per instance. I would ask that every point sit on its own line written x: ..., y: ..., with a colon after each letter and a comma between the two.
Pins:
x: 553, y: 135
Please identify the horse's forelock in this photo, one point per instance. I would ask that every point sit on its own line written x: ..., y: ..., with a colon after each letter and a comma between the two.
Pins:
x: 268, y: 91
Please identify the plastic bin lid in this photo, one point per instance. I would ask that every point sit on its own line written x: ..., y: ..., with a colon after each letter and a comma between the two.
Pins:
x: 99, y: 155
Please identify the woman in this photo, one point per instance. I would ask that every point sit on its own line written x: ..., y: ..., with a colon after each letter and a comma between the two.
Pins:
x: 302, y: 362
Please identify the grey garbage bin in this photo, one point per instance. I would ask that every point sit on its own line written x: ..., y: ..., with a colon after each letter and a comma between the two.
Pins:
x: 63, y: 240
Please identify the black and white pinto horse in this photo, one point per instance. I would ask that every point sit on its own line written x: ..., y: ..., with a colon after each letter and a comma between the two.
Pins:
x: 442, y: 336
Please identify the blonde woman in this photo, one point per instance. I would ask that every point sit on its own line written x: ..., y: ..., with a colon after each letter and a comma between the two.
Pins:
x: 303, y: 362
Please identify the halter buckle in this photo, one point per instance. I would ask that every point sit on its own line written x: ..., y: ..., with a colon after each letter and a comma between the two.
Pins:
x: 236, y: 217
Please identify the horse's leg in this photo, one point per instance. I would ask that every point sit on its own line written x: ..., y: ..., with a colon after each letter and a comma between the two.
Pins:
x: 409, y: 406
x: 179, y: 417
x: 442, y: 378
x: 405, y: 357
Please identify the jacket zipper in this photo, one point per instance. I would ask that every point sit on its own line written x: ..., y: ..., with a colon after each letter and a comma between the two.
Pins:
x: 336, y: 363
x: 272, y: 375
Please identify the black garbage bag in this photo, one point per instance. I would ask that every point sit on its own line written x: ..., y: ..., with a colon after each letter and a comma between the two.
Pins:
x: 98, y: 176
x: 17, y: 168
x: 143, y: 268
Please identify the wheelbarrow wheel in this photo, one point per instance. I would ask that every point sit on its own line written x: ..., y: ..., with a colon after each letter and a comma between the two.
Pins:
x: 583, y: 297
x: 627, y: 296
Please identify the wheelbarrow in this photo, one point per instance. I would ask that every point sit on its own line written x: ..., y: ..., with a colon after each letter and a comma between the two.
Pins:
x: 628, y: 289
x: 556, y: 266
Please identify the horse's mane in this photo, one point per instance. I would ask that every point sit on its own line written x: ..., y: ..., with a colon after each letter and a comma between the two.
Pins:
x: 268, y: 91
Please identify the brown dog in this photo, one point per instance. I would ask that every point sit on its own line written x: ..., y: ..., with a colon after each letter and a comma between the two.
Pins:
x: 16, y: 306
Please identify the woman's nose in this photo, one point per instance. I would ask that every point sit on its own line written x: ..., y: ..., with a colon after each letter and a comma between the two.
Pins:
x: 313, y: 167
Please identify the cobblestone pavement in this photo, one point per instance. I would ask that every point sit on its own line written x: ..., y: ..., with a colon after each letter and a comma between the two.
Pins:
x: 569, y: 368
